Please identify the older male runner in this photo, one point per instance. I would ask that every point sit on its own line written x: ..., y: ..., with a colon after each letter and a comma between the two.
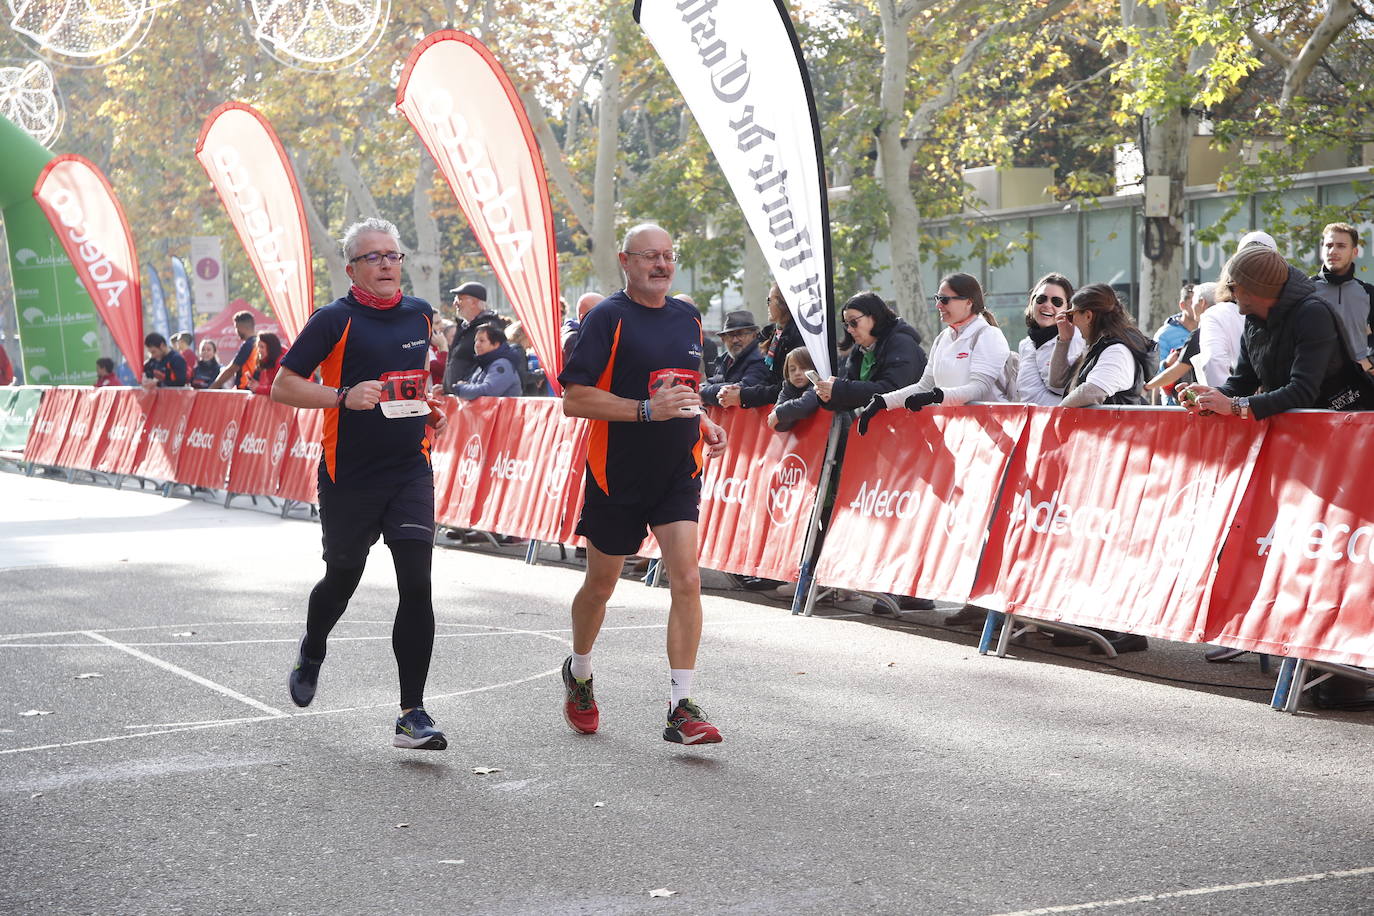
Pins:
x: 635, y: 374
x: 375, y: 476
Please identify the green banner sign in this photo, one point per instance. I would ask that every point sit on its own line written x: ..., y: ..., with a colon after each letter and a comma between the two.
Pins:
x: 58, y: 324
x: 18, y: 407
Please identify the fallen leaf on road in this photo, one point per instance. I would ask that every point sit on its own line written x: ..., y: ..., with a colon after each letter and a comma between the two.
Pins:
x: 892, y: 664
x: 485, y: 771
x: 661, y: 892
x: 36, y: 712
x: 799, y: 672
x: 86, y: 675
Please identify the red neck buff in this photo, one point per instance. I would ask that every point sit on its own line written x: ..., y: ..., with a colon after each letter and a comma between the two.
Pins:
x: 371, y: 301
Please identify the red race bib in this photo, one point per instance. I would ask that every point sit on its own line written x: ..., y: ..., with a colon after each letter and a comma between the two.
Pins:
x: 403, y: 393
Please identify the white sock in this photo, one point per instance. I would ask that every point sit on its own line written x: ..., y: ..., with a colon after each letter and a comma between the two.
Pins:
x: 582, y: 666
x: 681, y: 680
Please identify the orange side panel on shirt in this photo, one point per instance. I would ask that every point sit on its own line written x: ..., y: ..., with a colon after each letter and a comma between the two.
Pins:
x: 601, y: 430
x: 331, y: 370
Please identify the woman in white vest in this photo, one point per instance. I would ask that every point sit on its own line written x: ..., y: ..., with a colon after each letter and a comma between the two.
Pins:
x: 1050, y: 296
x: 967, y: 360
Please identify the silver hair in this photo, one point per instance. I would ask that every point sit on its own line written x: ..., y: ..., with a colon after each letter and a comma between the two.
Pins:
x: 636, y: 230
x: 1207, y: 291
x: 371, y: 224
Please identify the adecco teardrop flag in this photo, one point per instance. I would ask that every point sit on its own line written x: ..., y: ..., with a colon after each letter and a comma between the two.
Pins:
x: 471, y: 120
x: 249, y: 169
x: 89, y: 222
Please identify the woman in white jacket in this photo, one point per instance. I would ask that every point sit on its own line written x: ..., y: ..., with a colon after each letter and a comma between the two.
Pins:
x: 966, y: 360
x: 1050, y: 296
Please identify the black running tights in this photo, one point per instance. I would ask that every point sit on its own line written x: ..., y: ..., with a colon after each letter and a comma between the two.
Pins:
x: 412, y: 635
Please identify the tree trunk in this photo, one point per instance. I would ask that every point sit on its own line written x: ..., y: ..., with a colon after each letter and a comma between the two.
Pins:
x: 894, y: 172
x: 422, y: 267
x: 322, y: 242
x: 603, y: 235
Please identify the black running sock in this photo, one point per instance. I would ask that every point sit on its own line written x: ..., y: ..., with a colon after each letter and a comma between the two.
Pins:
x: 328, y: 600
x: 412, y: 636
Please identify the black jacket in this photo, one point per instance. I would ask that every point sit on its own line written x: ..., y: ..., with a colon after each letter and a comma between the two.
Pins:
x: 462, y: 358
x: 767, y: 391
x: 899, y: 360
x: 747, y: 370
x: 1294, y: 353
x: 794, y: 405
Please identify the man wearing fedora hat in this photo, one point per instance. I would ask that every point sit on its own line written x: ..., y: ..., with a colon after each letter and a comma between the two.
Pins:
x: 470, y: 301
x: 1291, y: 346
x: 742, y: 364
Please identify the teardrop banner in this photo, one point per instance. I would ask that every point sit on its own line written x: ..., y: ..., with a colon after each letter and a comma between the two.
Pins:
x: 254, y: 180
x: 77, y: 199
x: 740, y: 69
x: 470, y: 118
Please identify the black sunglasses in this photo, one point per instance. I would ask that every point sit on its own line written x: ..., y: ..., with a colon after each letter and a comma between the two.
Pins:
x: 1057, y: 300
x: 946, y: 300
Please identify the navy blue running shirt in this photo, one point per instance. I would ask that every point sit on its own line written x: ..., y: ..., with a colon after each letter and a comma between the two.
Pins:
x: 350, y: 343
x: 621, y: 346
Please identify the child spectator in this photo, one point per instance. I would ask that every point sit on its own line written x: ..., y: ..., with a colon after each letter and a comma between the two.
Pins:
x: 798, y: 399
x: 207, y: 367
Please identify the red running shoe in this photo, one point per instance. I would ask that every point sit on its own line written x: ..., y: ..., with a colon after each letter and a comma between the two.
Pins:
x: 687, y: 725
x: 579, y: 703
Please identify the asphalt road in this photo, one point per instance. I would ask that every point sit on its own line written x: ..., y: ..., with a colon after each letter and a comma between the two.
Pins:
x: 868, y: 766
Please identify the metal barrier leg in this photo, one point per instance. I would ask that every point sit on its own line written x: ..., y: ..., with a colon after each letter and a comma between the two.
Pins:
x: 1004, y: 640
x: 803, y: 601
x: 1295, y: 690
x: 1284, y: 683
x: 993, y: 618
x: 532, y: 552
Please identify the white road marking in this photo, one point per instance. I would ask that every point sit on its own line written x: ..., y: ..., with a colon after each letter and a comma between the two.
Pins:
x: 277, y: 717
x: 189, y: 675
x: 1194, y: 892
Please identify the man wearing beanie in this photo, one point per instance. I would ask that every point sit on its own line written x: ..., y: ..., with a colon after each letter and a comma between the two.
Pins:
x: 1290, y: 347
x: 470, y: 301
x: 1352, y: 299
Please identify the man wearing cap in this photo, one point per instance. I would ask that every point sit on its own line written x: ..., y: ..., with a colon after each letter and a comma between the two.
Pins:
x: 470, y: 301
x: 741, y: 365
x: 1290, y: 346
x: 1352, y: 298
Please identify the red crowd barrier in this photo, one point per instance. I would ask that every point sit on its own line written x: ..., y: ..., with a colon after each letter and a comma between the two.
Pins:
x: 915, y: 498
x: 1109, y: 517
x: 1298, y: 567
x: 757, y: 498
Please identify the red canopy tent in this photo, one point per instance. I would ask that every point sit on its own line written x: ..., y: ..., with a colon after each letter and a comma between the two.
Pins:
x: 220, y: 329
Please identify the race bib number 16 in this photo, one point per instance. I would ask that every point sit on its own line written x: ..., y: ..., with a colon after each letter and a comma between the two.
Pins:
x: 403, y: 394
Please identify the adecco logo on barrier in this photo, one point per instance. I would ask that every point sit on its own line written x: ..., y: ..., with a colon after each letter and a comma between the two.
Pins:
x: 267, y: 239
x: 1054, y: 518
x: 724, y: 489
x: 786, y: 488
x: 1317, y: 540
x: 560, y: 464
x: 226, y: 444
x: 470, y: 461
x: 279, y: 442
x: 876, y: 501
x: 467, y: 151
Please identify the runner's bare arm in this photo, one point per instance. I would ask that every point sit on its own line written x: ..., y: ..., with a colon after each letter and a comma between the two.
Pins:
x: 598, y: 404
x: 297, y: 391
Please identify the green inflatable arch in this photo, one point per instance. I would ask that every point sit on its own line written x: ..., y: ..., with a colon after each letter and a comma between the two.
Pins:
x: 59, y: 331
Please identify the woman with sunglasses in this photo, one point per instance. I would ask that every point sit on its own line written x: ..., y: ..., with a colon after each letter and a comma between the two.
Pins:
x: 1050, y: 297
x: 1118, y: 358
x: 887, y: 355
x: 966, y: 360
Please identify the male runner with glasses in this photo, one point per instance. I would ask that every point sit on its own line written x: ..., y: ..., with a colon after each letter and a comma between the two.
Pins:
x: 635, y: 374
x: 375, y: 480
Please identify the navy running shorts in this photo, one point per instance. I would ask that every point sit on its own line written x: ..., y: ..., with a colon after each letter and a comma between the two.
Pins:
x: 351, y: 519
x: 619, y: 529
